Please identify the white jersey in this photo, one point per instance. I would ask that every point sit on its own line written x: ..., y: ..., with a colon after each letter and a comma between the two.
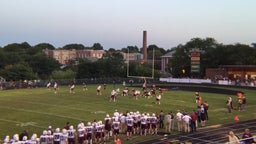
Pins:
x: 129, y: 121
x: 50, y: 139
x: 116, y: 125
x: 72, y: 86
x: 122, y: 119
x: 56, y: 137
x: 48, y: 85
x: 55, y: 86
x: 143, y: 120
x: 89, y: 129
x: 153, y: 120
x: 63, y: 138
x: 71, y: 133
x: 81, y: 132
x: 43, y: 139
x: 159, y: 97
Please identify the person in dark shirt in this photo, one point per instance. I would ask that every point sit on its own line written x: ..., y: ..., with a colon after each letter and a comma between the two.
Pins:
x: 247, y: 137
x: 24, y: 133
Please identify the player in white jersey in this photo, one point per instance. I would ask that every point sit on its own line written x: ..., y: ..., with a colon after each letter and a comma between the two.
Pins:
x: 143, y: 121
x: 108, y: 132
x: 6, y: 140
x: 148, y: 120
x: 153, y: 122
x: 136, y: 93
x: 113, y: 95
x: 55, y: 87
x: 123, y: 123
x: 34, y: 139
x: 129, y: 123
x: 89, y: 132
x: 71, y: 135
x: 158, y: 98
x: 64, y: 137
x: 81, y: 135
x: 43, y: 137
x: 49, y: 137
x: 48, y: 85
x: 56, y: 136
x: 99, y: 130
x: 72, y: 88
x: 116, y: 127
x: 98, y: 90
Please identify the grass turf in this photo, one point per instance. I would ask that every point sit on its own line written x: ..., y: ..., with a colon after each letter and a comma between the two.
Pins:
x: 35, y: 109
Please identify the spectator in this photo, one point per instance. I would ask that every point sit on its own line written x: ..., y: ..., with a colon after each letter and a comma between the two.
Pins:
x: 247, y: 137
x: 193, y: 121
x: 232, y: 138
x: 161, y: 119
x: 168, y: 121
x: 229, y: 104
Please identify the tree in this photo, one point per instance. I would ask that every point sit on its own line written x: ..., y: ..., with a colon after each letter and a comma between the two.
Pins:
x: 20, y: 71
x: 66, y: 74
x: 130, y: 49
x: 97, y: 46
x: 44, y: 46
x: 43, y: 66
x: 74, y: 46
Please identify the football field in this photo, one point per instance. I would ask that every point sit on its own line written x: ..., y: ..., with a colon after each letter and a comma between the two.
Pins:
x: 37, y: 108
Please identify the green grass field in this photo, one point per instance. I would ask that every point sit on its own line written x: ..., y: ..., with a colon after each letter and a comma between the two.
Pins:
x: 35, y: 109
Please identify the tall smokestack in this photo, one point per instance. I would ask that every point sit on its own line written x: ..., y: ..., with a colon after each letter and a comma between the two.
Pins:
x: 145, y: 55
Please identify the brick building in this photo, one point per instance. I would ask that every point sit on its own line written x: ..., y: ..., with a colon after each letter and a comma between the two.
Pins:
x: 65, y: 56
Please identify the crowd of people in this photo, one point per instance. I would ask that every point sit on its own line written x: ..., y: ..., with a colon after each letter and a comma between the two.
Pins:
x: 247, y: 138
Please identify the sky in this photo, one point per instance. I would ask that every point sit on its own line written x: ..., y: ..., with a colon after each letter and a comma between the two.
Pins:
x: 120, y: 23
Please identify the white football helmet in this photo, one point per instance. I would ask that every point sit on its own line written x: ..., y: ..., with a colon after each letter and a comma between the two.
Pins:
x: 49, y: 132
x: 57, y: 130
x: 64, y: 131
x: 24, y: 138
x: 45, y: 132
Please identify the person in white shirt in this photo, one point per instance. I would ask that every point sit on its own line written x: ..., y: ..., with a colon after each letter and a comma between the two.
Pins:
x: 186, y: 118
x: 179, y: 116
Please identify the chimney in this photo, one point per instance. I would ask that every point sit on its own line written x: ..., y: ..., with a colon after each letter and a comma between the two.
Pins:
x: 145, y: 56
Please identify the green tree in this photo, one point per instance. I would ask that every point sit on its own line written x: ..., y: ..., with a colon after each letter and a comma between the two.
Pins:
x: 44, y: 46
x: 20, y: 71
x: 63, y: 74
x: 97, y: 46
x: 74, y: 46
x: 43, y: 66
